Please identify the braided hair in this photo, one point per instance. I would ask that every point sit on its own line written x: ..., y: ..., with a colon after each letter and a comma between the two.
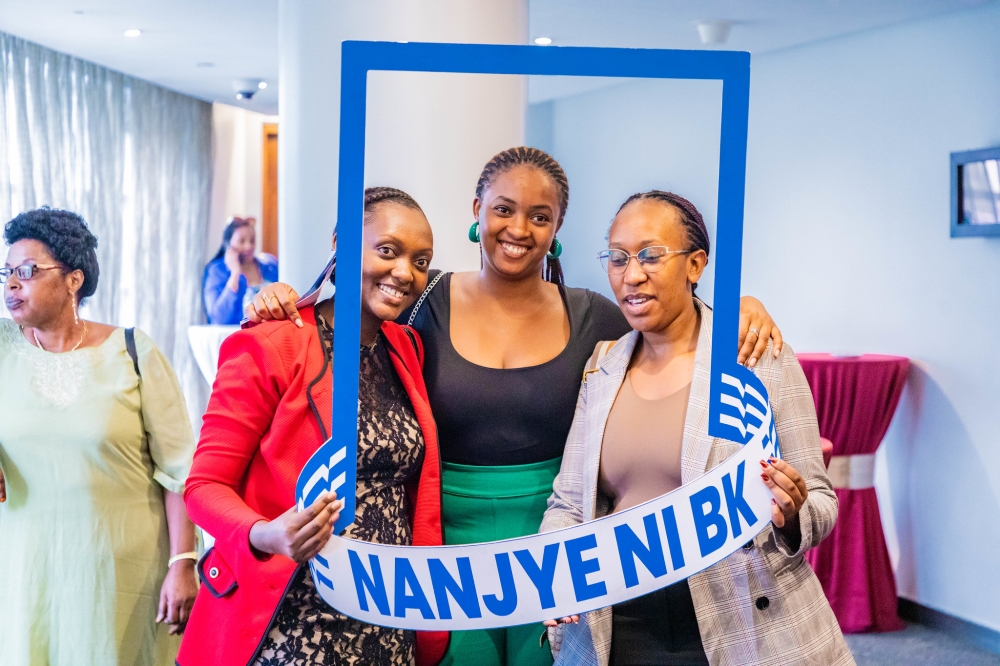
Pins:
x: 532, y: 157
x: 377, y: 195
x: 694, y: 224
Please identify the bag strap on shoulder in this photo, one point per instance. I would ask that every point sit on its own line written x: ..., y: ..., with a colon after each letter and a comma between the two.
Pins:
x: 594, y: 362
x: 423, y: 297
x: 130, y: 347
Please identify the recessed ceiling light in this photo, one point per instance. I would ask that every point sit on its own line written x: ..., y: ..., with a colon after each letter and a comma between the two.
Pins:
x: 262, y: 85
x: 239, y: 95
x: 543, y: 41
x: 714, y: 32
x: 133, y: 32
x: 204, y: 64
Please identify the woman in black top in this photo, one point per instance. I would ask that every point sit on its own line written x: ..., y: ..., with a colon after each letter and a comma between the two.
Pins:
x: 505, y: 352
x: 534, y: 404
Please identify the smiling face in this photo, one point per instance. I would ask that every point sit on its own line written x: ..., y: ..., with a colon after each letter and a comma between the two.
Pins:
x: 397, y: 249
x: 518, y: 219
x: 46, y: 296
x: 244, y: 241
x: 652, y: 301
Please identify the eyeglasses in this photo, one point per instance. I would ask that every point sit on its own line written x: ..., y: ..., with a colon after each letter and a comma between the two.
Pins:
x: 651, y: 259
x: 24, y: 271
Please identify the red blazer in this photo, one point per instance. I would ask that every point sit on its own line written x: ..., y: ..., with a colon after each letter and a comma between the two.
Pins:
x: 256, y: 436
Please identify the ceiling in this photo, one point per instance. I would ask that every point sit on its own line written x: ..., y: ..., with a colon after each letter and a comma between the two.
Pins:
x: 240, y: 37
x: 760, y: 26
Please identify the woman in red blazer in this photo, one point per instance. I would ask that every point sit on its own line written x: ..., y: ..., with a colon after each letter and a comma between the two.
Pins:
x: 269, y: 412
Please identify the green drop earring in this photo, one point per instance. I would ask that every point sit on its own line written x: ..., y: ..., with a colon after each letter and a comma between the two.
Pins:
x: 555, y: 250
x: 474, y: 232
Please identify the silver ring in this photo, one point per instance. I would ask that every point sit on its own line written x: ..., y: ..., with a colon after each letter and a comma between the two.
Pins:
x: 266, y: 299
x: 755, y: 331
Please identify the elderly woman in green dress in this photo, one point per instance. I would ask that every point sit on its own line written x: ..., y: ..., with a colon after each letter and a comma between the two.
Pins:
x: 96, y: 561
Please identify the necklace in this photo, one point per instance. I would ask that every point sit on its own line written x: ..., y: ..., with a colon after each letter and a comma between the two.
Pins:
x: 78, y: 343
x: 371, y: 347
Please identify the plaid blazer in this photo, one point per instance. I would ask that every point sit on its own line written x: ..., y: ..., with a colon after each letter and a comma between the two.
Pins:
x: 795, y: 624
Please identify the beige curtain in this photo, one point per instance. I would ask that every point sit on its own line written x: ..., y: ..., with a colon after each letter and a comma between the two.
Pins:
x: 135, y: 161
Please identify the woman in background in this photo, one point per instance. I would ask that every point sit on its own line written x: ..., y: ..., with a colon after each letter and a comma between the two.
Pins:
x: 641, y: 431
x: 235, y: 275
x: 95, y: 444
x: 506, y: 347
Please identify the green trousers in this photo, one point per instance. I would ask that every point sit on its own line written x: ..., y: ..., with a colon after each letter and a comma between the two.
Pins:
x: 480, y: 504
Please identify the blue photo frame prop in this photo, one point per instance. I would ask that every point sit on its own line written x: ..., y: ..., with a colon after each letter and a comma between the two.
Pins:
x: 359, y: 58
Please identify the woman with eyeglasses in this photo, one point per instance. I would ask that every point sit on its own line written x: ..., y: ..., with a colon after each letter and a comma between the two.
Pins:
x: 641, y: 431
x: 96, y: 549
x: 506, y: 347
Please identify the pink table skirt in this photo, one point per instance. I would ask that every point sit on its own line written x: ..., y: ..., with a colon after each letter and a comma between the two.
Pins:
x: 855, y: 400
x: 854, y: 568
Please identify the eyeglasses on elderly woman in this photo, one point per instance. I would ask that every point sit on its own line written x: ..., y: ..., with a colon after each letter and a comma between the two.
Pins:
x: 24, y: 271
x: 651, y: 259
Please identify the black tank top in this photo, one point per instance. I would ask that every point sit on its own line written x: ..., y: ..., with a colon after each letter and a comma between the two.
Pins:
x: 517, y: 416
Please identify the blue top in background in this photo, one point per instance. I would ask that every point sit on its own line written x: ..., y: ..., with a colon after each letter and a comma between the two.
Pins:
x: 223, y: 306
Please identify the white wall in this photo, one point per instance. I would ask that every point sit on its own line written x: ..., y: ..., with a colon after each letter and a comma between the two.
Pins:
x: 429, y: 134
x: 626, y: 139
x: 237, y: 184
x: 848, y: 245
x: 436, y: 150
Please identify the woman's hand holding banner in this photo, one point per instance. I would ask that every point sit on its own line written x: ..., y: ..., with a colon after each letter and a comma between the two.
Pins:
x: 561, y: 573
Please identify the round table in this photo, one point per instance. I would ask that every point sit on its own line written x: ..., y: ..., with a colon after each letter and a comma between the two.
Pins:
x: 856, y: 397
x: 205, y: 343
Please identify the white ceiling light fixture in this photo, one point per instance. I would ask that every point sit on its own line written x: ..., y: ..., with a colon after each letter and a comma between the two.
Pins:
x: 262, y: 85
x: 133, y: 32
x: 543, y: 41
x: 714, y: 32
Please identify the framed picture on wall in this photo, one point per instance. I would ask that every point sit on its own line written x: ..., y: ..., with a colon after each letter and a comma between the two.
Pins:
x: 975, y: 193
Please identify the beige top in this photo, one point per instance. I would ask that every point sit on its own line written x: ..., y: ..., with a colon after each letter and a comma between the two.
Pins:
x: 641, y: 451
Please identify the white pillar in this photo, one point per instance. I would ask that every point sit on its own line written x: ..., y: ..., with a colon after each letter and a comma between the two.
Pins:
x: 428, y: 134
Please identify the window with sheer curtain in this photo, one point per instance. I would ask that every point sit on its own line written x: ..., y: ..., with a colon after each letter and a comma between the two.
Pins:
x: 135, y: 160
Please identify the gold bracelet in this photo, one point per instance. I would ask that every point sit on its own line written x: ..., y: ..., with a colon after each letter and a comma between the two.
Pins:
x: 182, y: 556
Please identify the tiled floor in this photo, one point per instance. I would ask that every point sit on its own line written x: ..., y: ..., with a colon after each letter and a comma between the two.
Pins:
x: 917, y: 646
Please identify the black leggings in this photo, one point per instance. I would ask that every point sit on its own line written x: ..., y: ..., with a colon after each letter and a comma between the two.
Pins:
x: 658, y: 629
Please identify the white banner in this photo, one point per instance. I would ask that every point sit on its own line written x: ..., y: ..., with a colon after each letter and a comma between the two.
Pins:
x: 564, y: 572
